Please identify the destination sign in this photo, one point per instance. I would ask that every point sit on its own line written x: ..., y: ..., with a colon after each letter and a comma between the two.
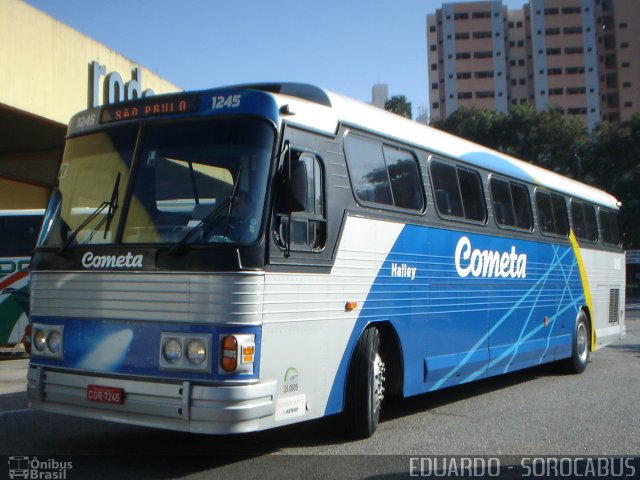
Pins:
x: 150, y: 108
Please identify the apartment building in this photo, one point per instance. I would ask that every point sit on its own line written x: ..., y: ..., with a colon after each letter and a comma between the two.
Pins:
x: 571, y: 54
x: 467, y: 51
x: 618, y: 59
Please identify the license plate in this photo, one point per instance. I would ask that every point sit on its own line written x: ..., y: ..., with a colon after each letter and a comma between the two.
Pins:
x: 100, y: 394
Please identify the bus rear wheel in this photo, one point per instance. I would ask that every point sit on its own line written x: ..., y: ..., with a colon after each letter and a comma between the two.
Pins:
x: 580, y: 350
x: 365, y: 385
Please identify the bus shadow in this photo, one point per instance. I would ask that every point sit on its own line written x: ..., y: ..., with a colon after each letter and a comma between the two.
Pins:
x: 401, y: 407
x: 135, y: 452
x: 633, y: 348
x: 119, y: 451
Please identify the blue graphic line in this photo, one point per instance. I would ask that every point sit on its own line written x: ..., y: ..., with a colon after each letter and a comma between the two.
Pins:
x: 524, y: 327
x: 565, y: 290
x: 475, y: 348
x: 527, y: 337
x: 557, y: 261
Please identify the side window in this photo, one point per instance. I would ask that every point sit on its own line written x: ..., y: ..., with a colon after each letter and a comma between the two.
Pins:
x: 472, y: 196
x: 609, y: 227
x: 545, y: 212
x: 591, y: 225
x: 502, y: 203
x: 560, y: 214
x: 552, y: 213
x: 583, y: 221
x: 577, y: 220
x: 308, y: 229
x: 511, y: 204
x: 367, y: 170
x: 446, y: 189
x: 457, y: 191
x: 522, y: 206
x: 404, y: 175
x: 383, y: 175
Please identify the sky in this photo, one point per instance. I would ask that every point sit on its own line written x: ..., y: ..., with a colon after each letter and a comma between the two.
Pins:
x: 344, y: 45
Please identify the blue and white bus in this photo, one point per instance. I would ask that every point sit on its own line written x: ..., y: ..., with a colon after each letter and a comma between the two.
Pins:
x: 242, y: 258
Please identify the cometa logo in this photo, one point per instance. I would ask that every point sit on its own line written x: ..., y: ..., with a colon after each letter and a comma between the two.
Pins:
x: 89, y: 260
x: 487, y: 263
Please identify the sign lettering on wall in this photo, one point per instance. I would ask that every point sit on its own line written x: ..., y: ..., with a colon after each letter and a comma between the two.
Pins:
x: 114, y: 88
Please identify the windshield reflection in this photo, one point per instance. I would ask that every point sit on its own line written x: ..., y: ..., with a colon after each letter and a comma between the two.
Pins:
x: 181, y: 174
x: 186, y: 171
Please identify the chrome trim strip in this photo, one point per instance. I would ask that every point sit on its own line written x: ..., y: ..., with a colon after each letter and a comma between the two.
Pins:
x: 223, y: 298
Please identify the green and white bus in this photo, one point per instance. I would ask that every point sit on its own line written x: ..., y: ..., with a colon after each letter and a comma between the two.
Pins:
x: 18, y: 232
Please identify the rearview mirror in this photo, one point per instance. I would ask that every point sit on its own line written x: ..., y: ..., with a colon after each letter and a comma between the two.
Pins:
x: 297, y: 195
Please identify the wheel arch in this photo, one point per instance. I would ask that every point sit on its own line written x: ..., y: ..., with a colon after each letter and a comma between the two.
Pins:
x: 592, y: 332
x: 391, y: 352
x: 377, y: 344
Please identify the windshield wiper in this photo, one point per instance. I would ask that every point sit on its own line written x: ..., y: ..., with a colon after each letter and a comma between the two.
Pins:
x: 178, y: 247
x: 112, y: 204
x: 228, y: 202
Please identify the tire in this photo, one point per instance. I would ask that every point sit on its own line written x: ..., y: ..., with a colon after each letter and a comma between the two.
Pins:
x: 581, y: 341
x: 365, y: 386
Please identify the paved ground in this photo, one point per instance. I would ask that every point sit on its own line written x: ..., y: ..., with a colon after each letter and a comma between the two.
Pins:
x: 540, y: 411
x: 13, y: 374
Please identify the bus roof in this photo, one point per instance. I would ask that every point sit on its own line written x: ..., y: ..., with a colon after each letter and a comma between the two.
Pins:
x: 306, y: 110
x: 324, y: 111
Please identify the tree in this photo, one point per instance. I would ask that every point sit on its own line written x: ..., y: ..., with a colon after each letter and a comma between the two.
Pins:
x: 475, y: 124
x: 608, y: 158
x: 613, y: 164
x: 399, y: 104
x: 549, y: 139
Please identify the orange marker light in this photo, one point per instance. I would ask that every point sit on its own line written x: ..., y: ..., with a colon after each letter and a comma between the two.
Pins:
x: 351, y: 305
x: 229, y: 353
x: 248, y: 352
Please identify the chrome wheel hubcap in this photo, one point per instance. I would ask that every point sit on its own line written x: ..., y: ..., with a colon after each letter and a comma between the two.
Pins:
x: 378, y: 382
x: 581, y: 342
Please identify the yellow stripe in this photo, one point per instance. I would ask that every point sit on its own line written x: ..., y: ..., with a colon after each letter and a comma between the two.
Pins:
x: 585, y: 285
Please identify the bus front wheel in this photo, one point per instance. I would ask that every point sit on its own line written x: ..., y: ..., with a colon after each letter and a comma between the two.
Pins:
x: 365, y: 385
x: 580, y: 350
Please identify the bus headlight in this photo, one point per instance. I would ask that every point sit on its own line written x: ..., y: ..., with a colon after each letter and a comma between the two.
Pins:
x: 39, y: 341
x: 47, y: 340
x: 196, y: 352
x: 185, y: 351
x: 172, y: 350
x: 54, y: 341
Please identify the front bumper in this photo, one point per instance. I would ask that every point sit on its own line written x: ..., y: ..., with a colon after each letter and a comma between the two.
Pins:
x: 182, y: 406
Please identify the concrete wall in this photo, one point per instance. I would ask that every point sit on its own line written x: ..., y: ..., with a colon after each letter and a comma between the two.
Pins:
x: 45, y: 64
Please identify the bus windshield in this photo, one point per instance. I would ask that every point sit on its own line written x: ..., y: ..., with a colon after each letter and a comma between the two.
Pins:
x: 209, y: 175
